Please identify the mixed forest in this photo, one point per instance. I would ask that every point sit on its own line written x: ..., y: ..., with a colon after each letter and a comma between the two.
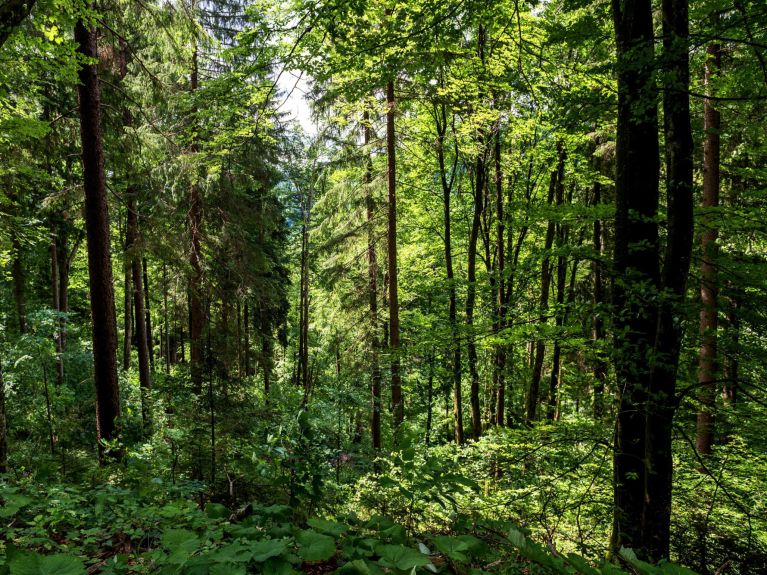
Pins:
x: 490, y: 300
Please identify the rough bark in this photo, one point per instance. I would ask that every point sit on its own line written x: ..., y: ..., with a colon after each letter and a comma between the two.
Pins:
x: 132, y: 247
x: 707, y: 358
x: 3, y: 426
x: 455, y: 361
x: 194, y: 222
x: 147, y: 312
x: 636, y: 270
x: 97, y: 231
x: 598, y: 325
x: 375, y: 376
x: 531, y: 401
x: 662, y: 400
x: 19, y: 282
x: 501, y: 303
x: 398, y: 406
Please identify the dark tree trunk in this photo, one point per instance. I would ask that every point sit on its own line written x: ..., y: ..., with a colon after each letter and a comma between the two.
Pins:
x: 196, y: 312
x: 97, y: 230
x: 556, y: 356
x: 531, y: 403
x: 127, y: 305
x: 132, y: 246
x: 375, y: 376
x: 56, y: 303
x: 501, y: 304
x: 19, y: 282
x: 635, y: 260
x: 246, y: 326
x: 662, y: 401
x: 147, y: 312
x: 447, y: 185
x: 3, y: 426
x: 707, y: 362
x: 598, y: 324
x: 398, y: 406
x: 166, y: 323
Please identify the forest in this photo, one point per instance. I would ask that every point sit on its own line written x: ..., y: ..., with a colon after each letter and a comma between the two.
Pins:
x: 383, y: 287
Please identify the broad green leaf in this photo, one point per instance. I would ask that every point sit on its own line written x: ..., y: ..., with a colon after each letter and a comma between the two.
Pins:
x: 401, y: 557
x: 315, y: 546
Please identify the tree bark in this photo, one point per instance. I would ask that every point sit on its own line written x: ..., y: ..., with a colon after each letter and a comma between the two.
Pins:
x: 142, y: 347
x: 97, y: 230
x: 531, y: 402
x: 598, y: 324
x: 19, y: 282
x: 662, y: 400
x: 636, y: 267
x: 501, y: 303
x: 398, y: 406
x: 707, y: 359
x: 194, y: 220
x: 3, y: 426
x: 447, y: 185
x: 147, y: 312
x: 375, y: 376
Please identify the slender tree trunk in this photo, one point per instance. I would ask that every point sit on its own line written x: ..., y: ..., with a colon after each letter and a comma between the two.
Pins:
x: 246, y: 325
x: 662, y: 401
x: 194, y: 220
x: 147, y: 312
x: 165, y: 321
x: 132, y: 246
x: 375, y: 377
x: 501, y: 304
x: 56, y: 303
x: 3, y: 426
x: 707, y: 362
x: 429, y: 397
x: 19, y: 282
x: 531, y: 403
x: 441, y: 120
x: 731, y: 366
x: 556, y: 356
x: 398, y: 405
x: 97, y: 230
x: 598, y: 324
x: 127, y: 307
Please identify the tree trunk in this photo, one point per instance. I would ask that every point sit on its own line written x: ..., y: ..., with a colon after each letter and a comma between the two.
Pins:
x: 127, y: 309
x: 662, y: 400
x: 375, y: 377
x: 194, y: 219
x: 447, y: 185
x: 707, y: 362
x: 147, y: 312
x: 97, y: 230
x: 635, y: 260
x: 19, y: 282
x: 598, y: 324
x: 531, y: 403
x: 501, y: 303
x: 3, y: 426
x: 398, y: 406
x: 166, y: 323
x: 132, y: 247
x: 556, y: 356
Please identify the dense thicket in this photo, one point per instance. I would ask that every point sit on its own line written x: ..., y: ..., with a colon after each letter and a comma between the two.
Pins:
x: 494, y: 301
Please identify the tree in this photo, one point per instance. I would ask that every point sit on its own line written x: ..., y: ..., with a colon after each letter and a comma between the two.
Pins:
x: 97, y: 235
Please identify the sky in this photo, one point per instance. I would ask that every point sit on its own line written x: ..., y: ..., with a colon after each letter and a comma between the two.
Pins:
x: 294, y: 87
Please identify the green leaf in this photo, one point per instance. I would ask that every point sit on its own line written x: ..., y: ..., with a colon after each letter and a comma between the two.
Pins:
x: 328, y: 527
x: 277, y: 566
x: 216, y: 511
x: 401, y: 557
x: 36, y: 564
x: 263, y: 550
x: 315, y: 546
